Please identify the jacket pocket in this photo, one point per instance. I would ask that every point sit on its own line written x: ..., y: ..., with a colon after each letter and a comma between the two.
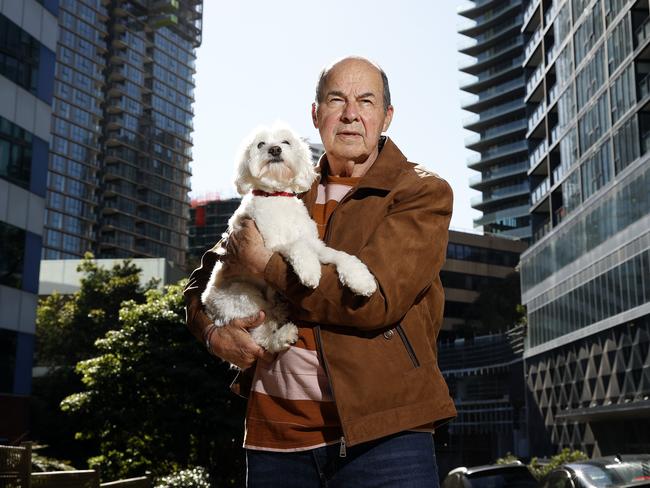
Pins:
x: 407, y: 346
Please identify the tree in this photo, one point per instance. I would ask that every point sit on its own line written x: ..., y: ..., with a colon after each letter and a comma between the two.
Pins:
x: 153, y: 399
x: 497, y: 306
x: 66, y: 329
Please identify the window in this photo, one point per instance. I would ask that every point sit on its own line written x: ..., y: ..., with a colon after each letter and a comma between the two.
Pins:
x: 591, y: 77
x: 12, y: 255
x: 19, y: 55
x: 589, y: 32
x: 622, y: 93
x: 593, y: 124
x: 15, y: 153
x: 619, y: 43
x: 596, y: 171
x: 626, y: 144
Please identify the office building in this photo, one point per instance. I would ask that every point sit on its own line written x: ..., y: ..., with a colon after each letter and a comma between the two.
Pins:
x: 208, y: 221
x: 476, y: 262
x: 28, y: 33
x: 586, y: 277
x: 480, y: 352
x: 119, y: 162
x: 498, y: 117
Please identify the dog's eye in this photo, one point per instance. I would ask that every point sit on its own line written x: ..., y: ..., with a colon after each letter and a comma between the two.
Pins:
x: 286, y: 142
x: 259, y: 146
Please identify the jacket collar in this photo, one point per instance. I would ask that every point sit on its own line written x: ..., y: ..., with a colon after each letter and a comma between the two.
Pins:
x: 381, y: 175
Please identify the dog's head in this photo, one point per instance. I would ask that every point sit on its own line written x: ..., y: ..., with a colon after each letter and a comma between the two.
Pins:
x: 274, y: 159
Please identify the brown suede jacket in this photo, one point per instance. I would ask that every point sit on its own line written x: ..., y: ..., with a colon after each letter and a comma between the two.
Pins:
x: 379, y: 352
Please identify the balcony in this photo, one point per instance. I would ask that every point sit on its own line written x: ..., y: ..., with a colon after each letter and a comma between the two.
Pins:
x: 643, y: 87
x: 488, y: 197
x: 536, y: 116
x: 538, y: 154
x: 553, y: 93
x: 474, y: 103
x: 490, y: 36
x: 532, y: 44
x: 534, y: 80
x: 642, y: 32
x: 550, y: 13
x: 513, y: 212
x: 541, y: 231
x: 541, y: 191
x: 531, y: 10
x: 492, y: 113
x: 497, y: 152
x: 475, y: 8
x: 483, y: 20
x: 489, y: 135
x: 491, y: 176
x: 486, y: 78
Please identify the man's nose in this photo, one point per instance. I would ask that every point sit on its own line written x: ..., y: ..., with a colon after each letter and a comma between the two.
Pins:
x: 350, y: 112
x: 275, y: 151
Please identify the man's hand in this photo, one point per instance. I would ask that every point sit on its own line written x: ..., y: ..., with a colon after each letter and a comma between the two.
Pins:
x: 245, y: 250
x: 233, y: 342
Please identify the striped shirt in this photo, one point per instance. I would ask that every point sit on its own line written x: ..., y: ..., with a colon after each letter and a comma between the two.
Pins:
x: 291, y: 407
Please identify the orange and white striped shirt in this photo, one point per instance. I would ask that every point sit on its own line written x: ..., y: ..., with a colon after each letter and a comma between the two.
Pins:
x: 290, y: 407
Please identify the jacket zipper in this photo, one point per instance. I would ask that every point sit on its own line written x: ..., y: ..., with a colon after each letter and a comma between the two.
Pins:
x: 319, y: 345
x: 408, y: 346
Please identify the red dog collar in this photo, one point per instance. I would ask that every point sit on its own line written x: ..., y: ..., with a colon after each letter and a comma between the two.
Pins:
x: 261, y: 193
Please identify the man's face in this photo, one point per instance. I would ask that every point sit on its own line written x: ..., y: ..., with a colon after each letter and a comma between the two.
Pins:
x: 351, y: 116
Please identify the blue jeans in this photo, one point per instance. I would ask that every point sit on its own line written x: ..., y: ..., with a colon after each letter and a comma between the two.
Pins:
x: 404, y: 460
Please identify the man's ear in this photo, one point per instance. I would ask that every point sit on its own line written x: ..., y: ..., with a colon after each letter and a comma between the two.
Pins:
x: 314, y: 115
x: 388, y: 119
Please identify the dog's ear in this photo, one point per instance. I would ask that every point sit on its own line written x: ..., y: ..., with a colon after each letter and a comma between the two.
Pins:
x: 306, y: 173
x: 243, y: 178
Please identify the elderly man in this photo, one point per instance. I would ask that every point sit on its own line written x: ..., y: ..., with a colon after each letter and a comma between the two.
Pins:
x: 355, y: 401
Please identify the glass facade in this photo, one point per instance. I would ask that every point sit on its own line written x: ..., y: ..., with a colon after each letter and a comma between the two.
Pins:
x: 122, y: 123
x: 586, y: 275
x: 499, y: 118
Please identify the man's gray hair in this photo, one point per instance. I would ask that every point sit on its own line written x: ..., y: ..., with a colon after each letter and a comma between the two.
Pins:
x: 322, y: 79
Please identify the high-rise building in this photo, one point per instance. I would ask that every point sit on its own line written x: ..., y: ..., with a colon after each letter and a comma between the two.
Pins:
x: 208, y: 221
x: 586, y: 277
x: 28, y: 32
x: 119, y: 162
x: 498, y: 115
x: 480, y: 351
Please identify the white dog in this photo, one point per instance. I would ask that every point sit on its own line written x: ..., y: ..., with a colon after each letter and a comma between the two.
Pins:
x: 274, y: 166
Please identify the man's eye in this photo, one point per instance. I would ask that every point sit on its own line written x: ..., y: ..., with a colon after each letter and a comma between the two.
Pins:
x: 259, y: 146
x: 286, y: 142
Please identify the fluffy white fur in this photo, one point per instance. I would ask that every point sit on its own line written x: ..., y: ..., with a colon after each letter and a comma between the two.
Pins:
x: 276, y: 160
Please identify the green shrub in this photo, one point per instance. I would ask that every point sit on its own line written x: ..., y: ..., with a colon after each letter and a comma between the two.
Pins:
x: 187, y: 478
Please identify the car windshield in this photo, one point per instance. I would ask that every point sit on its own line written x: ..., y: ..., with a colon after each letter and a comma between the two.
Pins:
x: 615, y: 474
x: 505, y: 479
x: 631, y: 471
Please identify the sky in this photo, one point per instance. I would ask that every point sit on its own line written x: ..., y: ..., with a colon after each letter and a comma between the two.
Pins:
x: 259, y: 62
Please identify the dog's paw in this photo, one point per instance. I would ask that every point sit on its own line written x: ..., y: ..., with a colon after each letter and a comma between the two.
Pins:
x: 355, y: 275
x: 309, y: 274
x: 283, y: 338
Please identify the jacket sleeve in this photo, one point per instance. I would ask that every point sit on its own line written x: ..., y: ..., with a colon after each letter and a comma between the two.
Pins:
x: 405, y: 254
x: 195, y: 317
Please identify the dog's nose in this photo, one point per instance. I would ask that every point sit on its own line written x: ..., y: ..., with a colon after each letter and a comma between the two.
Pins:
x: 275, y: 151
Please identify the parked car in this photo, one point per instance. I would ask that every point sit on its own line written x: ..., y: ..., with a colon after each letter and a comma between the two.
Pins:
x: 514, y: 475
x: 619, y: 471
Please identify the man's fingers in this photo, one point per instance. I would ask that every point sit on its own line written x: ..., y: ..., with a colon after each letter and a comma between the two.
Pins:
x: 252, y: 321
x: 266, y: 356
